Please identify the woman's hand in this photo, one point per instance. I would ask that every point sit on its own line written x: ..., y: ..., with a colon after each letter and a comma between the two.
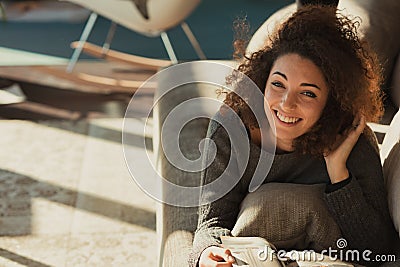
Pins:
x: 216, y: 256
x: 336, y: 159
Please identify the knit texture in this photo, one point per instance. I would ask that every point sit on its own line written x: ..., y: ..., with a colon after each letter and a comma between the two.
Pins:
x: 289, y: 216
x: 359, y: 208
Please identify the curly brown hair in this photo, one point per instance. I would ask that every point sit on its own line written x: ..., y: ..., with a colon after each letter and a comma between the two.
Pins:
x: 349, y: 66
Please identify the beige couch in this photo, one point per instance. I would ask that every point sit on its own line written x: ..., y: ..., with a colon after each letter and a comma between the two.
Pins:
x: 176, y: 225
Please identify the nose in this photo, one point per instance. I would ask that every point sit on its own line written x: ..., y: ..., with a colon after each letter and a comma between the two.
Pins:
x: 288, y: 101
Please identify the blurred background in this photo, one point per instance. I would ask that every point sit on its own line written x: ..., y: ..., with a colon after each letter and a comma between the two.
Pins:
x: 66, y: 196
x: 211, y: 23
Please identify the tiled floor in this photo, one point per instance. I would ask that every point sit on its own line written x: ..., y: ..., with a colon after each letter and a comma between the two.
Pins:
x: 67, y: 198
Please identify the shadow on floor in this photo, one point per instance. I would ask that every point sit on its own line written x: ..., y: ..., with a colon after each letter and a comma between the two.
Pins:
x: 52, y: 104
x: 17, y: 192
x: 20, y: 259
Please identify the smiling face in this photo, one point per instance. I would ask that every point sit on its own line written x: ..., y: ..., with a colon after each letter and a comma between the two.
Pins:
x: 296, y: 94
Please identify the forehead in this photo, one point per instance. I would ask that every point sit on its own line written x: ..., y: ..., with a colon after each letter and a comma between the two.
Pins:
x: 297, y: 67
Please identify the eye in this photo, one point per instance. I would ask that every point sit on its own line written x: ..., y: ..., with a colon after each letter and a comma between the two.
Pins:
x: 278, y: 84
x: 309, y: 94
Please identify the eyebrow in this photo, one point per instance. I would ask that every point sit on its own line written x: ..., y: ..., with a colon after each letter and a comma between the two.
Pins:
x: 310, y: 84
x: 302, y: 84
x: 280, y: 74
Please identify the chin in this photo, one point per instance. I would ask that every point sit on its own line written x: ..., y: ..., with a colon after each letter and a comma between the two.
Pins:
x: 286, y: 135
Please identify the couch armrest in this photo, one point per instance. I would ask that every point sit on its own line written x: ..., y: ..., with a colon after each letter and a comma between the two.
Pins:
x: 176, y: 225
x: 390, y: 157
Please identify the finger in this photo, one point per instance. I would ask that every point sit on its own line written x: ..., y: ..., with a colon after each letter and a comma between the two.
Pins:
x: 362, y: 124
x: 227, y: 255
x: 359, y: 123
x: 358, y: 128
x: 224, y: 264
x: 229, y: 259
x: 222, y: 254
x: 354, y: 134
x: 215, y: 257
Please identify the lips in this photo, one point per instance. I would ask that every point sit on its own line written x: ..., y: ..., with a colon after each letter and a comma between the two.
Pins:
x: 286, y: 119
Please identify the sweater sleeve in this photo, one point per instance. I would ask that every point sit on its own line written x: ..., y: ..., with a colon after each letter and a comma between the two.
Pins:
x: 360, y: 207
x: 218, y: 217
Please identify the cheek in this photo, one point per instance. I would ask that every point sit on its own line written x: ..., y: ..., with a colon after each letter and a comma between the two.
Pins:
x: 321, y: 105
x: 269, y: 95
x: 315, y: 111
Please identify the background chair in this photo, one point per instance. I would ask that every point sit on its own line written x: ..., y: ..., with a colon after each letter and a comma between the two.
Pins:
x: 150, y: 18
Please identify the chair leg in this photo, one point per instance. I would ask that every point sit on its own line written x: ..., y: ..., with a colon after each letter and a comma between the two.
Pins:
x: 109, y: 38
x: 186, y: 29
x: 168, y: 47
x: 85, y: 34
x: 3, y: 12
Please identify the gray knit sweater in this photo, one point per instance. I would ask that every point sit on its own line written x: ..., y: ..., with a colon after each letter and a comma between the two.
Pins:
x: 359, y: 205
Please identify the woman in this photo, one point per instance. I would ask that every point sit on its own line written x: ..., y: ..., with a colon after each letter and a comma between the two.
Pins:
x: 321, y: 85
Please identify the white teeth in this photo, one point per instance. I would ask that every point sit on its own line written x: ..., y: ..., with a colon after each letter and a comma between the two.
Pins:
x: 287, y: 119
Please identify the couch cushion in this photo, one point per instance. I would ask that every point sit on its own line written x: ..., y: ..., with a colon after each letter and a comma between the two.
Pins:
x: 260, y: 37
x: 175, y: 225
x: 390, y: 155
x: 381, y: 28
x: 391, y: 170
x: 395, y: 94
x: 290, y: 216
